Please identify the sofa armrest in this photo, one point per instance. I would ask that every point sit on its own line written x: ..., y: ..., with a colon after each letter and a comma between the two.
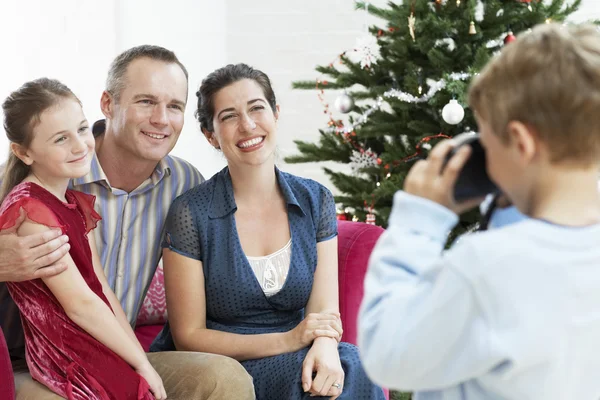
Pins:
x: 355, y: 244
x: 7, y: 384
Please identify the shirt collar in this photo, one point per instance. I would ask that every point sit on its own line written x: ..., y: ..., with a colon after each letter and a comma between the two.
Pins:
x: 97, y: 175
x: 223, y: 202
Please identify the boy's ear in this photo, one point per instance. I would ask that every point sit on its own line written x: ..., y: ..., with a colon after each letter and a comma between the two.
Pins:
x: 21, y: 153
x: 210, y: 136
x: 524, y: 139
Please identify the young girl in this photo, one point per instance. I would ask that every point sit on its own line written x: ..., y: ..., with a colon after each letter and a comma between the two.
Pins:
x: 78, y: 341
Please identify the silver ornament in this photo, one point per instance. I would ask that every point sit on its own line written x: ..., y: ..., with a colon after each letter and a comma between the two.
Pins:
x: 344, y: 103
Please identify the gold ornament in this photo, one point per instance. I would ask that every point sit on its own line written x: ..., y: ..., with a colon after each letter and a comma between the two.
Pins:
x: 472, y: 29
x: 411, y: 25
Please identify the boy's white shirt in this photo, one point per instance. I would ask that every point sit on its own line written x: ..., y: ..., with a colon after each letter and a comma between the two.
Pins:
x: 499, y: 316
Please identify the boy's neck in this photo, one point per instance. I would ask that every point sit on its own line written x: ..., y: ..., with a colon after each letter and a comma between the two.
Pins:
x: 566, y: 196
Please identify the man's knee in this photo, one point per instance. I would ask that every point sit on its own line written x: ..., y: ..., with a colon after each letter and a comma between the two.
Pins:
x: 231, y: 379
x: 192, y: 375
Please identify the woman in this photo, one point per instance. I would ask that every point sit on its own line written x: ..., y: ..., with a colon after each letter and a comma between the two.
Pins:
x: 250, y: 256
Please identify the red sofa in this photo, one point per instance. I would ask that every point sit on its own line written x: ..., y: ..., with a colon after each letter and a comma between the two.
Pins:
x: 7, y: 387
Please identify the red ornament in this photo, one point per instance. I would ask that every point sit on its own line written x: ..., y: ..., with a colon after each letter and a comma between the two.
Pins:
x: 509, y: 38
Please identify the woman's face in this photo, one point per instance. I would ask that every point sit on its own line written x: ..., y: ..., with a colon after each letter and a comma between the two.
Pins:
x: 244, y: 124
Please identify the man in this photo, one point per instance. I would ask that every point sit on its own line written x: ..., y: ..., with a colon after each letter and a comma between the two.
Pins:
x: 134, y: 181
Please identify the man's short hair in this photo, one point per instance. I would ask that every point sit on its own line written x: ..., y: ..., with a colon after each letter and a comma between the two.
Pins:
x: 115, y: 82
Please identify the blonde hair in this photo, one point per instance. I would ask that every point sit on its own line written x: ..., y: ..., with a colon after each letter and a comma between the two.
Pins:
x: 548, y: 79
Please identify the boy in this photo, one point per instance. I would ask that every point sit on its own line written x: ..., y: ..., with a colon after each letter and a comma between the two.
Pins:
x: 514, y: 312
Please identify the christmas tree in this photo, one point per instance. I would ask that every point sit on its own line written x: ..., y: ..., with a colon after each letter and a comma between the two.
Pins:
x: 405, y: 85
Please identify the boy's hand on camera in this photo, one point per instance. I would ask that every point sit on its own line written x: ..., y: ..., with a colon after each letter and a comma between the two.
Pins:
x: 426, y: 178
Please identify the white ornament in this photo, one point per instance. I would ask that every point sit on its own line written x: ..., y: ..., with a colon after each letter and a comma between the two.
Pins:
x: 453, y: 112
x: 367, y: 51
x: 344, y: 103
x: 360, y: 160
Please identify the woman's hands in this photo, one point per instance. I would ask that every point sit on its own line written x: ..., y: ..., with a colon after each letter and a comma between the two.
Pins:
x: 324, y: 360
x: 147, y: 371
x: 315, y: 325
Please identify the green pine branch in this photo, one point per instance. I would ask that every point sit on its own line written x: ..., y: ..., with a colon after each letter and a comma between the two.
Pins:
x: 443, y: 45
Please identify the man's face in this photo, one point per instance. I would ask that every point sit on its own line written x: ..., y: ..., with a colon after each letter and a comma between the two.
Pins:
x: 148, y: 117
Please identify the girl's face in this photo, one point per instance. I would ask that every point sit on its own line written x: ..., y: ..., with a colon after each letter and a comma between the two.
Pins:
x: 62, y: 144
x: 244, y: 124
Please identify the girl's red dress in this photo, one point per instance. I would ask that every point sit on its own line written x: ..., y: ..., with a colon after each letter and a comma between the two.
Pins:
x: 59, y: 353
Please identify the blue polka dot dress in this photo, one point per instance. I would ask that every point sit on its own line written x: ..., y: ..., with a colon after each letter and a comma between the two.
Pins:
x: 201, y: 225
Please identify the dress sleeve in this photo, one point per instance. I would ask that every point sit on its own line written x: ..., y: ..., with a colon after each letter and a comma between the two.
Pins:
x: 181, y: 231
x: 35, y: 210
x: 85, y: 203
x: 327, y: 226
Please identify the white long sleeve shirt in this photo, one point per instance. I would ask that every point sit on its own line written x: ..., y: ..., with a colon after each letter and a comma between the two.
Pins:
x: 511, y: 313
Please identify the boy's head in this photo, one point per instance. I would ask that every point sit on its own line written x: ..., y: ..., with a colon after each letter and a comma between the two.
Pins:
x: 539, y: 101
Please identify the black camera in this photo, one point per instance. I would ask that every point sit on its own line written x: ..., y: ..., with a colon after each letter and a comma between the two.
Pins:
x: 473, y: 180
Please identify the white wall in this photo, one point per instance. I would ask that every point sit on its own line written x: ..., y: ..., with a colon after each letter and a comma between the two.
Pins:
x: 589, y: 10
x: 69, y: 40
x: 75, y: 41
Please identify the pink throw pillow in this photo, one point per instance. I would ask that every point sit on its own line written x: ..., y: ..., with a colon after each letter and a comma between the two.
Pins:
x: 154, y: 308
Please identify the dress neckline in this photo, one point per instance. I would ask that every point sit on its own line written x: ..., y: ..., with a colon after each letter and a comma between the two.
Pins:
x: 281, y: 250
x: 71, y: 202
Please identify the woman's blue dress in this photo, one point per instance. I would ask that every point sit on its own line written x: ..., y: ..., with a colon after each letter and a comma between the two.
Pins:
x: 201, y: 225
